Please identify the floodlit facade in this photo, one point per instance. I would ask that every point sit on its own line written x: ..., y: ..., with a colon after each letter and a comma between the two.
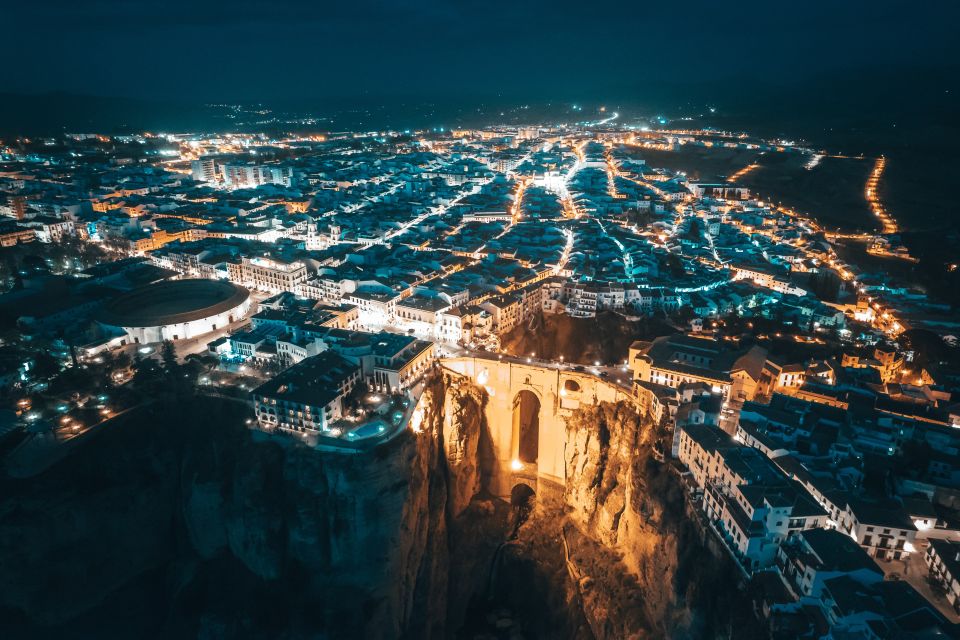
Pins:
x: 176, y: 310
x: 273, y: 275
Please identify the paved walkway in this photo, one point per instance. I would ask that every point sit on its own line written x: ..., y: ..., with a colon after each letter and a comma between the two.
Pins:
x: 914, y: 570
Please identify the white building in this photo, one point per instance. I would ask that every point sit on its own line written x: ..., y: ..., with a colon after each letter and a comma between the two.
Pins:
x: 204, y: 169
x: 176, y: 309
x: 50, y: 229
x: 306, y: 398
x: 246, y: 176
x: 750, y: 503
x: 272, y: 274
x: 885, y: 532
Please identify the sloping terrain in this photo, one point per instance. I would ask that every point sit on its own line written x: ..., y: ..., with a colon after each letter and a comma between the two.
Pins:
x: 604, y: 338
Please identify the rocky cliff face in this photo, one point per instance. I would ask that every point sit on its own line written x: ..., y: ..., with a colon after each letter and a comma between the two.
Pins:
x: 644, y: 567
x: 347, y: 545
x: 462, y: 422
x: 180, y: 522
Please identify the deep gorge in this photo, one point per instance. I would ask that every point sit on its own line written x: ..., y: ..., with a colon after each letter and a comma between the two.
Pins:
x: 199, y: 527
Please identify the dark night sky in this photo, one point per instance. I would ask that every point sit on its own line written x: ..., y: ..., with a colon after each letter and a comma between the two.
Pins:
x: 299, y: 49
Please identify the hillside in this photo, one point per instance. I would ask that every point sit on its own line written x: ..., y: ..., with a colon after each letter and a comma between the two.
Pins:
x: 604, y: 338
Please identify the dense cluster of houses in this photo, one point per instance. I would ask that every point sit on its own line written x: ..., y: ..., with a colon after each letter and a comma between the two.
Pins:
x: 778, y: 457
x: 497, y: 219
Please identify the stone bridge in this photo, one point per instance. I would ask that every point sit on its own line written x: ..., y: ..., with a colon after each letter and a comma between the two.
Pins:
x: 526, y: 411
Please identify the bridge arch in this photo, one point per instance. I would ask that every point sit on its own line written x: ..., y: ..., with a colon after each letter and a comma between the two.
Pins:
x: 522, y: 494
x: 526, y: 427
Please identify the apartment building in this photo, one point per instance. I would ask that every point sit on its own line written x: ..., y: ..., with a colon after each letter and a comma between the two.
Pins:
x: 272, y: 274
x: 307, y: 397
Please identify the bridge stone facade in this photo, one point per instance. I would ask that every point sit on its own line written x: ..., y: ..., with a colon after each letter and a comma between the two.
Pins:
x: 520, y: 426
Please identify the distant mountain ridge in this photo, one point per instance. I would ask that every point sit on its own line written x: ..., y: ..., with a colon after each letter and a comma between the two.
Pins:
x: 859, y: 99
x: 55, y: 112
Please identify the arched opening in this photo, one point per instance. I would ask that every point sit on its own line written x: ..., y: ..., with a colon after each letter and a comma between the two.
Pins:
x: 526, y: 424
x: 522, y: 495
x: 571, y: 385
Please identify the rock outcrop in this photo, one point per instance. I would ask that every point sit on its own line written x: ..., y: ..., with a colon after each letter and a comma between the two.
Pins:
x: 353, y: 545
x: 634, y: 545
x: 462, y: 429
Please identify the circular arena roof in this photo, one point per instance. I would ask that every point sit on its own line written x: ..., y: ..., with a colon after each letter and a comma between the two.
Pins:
x: 172, y: 302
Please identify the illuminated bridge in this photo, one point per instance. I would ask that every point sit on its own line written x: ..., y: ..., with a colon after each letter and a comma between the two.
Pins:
x: 525, y: 412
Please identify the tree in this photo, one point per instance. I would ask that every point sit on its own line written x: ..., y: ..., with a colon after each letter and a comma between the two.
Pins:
x: 674, y: 266
x: 122, y: 360
x: 45, y: 365
x: 353, y: 399
x: 118, y: 246
x: 683, y: 315
x: 272, y: 367
x: 62, y: 335
x: 147, y: 373
x: 168, y: 355
x: 825, y: 285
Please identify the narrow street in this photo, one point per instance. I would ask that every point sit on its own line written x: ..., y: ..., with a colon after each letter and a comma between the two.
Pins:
x: 914, y: 570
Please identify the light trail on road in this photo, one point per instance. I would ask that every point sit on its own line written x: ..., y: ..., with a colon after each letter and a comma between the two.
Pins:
x: 889, y: 225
